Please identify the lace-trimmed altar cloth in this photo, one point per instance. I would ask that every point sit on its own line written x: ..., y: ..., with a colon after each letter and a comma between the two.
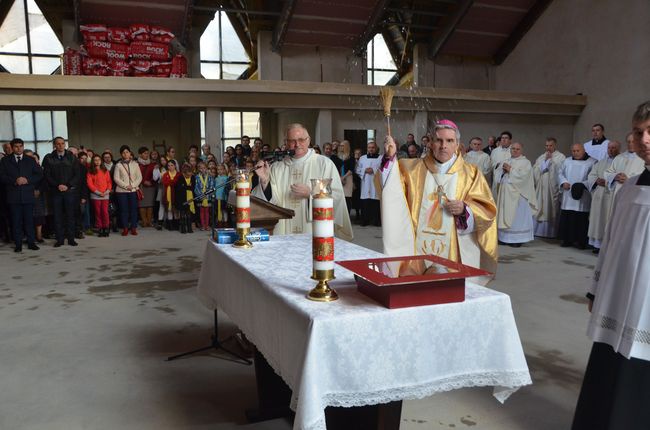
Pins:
x: 354, y: 352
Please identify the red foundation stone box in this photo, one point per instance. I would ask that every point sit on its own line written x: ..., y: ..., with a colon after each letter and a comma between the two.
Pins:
x: 400, y: 282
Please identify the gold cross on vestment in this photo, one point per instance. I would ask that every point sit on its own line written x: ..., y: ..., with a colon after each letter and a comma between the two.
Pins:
x: 296, y: 175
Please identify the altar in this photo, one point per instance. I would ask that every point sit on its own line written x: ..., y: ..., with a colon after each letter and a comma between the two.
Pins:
x: 355, y: 352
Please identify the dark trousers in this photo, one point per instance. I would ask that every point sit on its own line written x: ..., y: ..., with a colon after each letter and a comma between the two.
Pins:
x: 64, y: 214
x: 128, y: 206
x: 22, y: 219
x: 370, y: 212
x: 615, y: 392
x: 574, y: 226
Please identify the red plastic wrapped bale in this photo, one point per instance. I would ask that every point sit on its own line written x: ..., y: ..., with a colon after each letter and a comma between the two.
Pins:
x: 164, y: 68
x: 141, y: 66
x: 107, y: 50
x: 94, y: 66
x: 94, y: 32
x: 119, y: 68
x: 149, y: 51
x: 72, y: 62
x: 139, y: 32
x: 179, y: 67
x: 119, y: 35
x: 161, y: 34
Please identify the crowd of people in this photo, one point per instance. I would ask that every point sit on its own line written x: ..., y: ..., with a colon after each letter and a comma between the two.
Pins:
x: 73, y: 192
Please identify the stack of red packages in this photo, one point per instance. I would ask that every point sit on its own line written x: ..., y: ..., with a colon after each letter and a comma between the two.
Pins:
x: 139, y: 50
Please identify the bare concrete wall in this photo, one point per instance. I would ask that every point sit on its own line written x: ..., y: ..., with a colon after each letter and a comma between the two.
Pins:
x: 111, y: 128
x: 593, y: 47
x: 320, y: 64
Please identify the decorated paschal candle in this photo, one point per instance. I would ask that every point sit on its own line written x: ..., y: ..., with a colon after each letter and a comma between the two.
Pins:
x: 243, y: 208
x: 322, y: 240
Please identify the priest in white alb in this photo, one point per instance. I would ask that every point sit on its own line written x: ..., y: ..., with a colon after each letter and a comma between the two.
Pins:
x: 624, y: 166
x: 479, y: 158
x: 286, y: 183
x: 438, y: 205
x: 498, y: 156
x: 516, y: 199
x: 576, y: 199
x: 547, y: 190
x: 601, y: 196
x: 615, y: 391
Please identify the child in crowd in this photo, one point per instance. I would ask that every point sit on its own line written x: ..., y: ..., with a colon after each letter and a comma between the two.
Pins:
x: 221, y: 195
x: 100, y: 185
x: 184, y: 195
x: 203, y: 183
x: 169, y: 180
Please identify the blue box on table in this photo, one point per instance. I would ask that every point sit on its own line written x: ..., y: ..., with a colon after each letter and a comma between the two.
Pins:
x: 229, y: 235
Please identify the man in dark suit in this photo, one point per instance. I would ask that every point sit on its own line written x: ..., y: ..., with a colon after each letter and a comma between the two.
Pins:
x: 62, y: 175
x: 20, y: 175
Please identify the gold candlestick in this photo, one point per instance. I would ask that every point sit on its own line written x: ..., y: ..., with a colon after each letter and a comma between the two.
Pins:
x: 243, y: 209
x: 322, y: 241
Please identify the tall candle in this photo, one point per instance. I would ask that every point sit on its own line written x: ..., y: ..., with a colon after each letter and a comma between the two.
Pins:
x: 323, y: 232
x: 243, y: 209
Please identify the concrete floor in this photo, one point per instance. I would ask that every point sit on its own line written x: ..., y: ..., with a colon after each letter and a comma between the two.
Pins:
x: 85, y: 332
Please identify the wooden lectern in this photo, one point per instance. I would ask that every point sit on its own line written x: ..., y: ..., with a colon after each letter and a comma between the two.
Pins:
x: 264, y: 214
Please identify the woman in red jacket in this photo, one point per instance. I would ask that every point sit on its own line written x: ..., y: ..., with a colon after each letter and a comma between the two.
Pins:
x: 169, y: 179
x: 100, y: 185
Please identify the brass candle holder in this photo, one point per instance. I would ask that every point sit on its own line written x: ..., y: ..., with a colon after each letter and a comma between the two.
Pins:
x: 322, y: 241
x: 243, y: 209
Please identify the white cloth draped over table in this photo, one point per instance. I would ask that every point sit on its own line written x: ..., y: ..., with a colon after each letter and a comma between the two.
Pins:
x: 300, y: 171
x: 354, y: 352
x: 547, y: 189
x: 601, y: 200
x: 620, y: 313
x: 574, y: 171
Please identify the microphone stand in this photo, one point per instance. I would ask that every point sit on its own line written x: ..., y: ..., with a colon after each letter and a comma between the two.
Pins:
x: 215, y: 343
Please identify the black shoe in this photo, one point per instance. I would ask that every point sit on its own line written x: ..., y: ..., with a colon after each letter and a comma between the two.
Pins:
x: 158, y: 227
x: 596, y: 251
x: 33, y: 247
x: 40, y: 241
x: 515, y: 245
x: 57, y: 244
x: 72, y: 243
x: 79, y: 235
x: 18, y: 249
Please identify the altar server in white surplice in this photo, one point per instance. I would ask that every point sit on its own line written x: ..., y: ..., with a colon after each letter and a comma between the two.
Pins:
x: 366, y: 169
x: 498, y: 156
x: 516, y: 199
x: 287, y: 184
x: 601, y: 196
x: 597, y: 146
x: 547, y: 189
x: 479, y: 158
x: 624, y: 166
x: 576, y: 199
x: 615, y: 390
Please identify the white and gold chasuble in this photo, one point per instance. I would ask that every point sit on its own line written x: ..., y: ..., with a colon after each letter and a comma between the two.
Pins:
x: 414, y: 221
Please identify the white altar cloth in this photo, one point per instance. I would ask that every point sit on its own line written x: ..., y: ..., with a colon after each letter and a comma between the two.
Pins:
x: 354, y: 352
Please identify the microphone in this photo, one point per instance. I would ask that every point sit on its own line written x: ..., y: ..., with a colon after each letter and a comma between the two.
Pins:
x: 277, y: 155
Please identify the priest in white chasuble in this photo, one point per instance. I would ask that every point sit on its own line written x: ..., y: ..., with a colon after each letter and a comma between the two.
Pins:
x: 624, y: 166
x: 498, y: 156
x: 547, y: 189
x: 287, y: 184
x: 438, y: 205
x: 615, y: 391
x: 516, y: 199
x: 479, y: 158
x: 576, y: 199
x: 601, y: 196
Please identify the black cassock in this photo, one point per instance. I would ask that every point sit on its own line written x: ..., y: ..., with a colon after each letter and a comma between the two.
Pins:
x: 615, y: 393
